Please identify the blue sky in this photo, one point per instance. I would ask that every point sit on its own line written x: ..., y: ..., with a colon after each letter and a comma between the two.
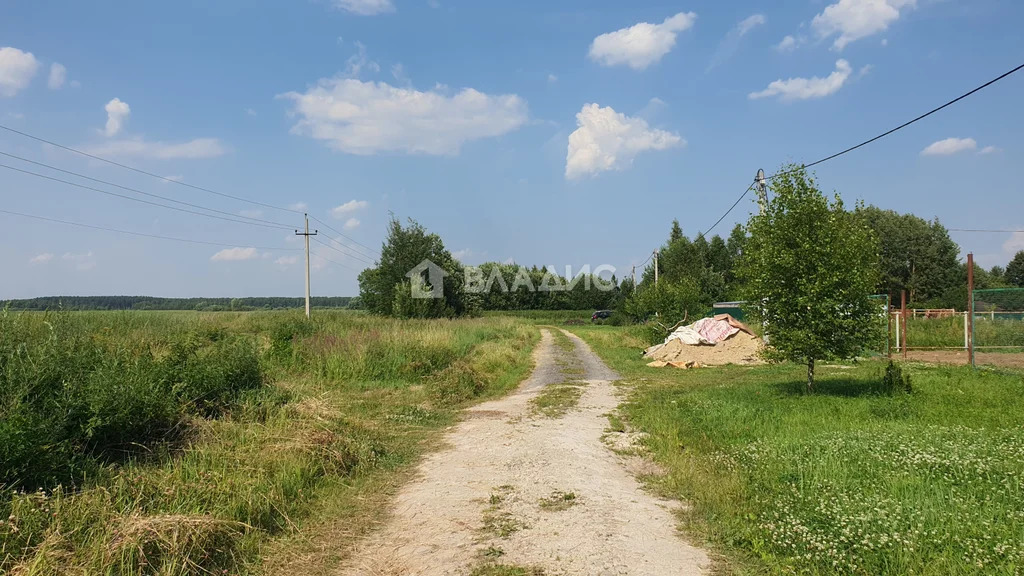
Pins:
x: 556, y: 133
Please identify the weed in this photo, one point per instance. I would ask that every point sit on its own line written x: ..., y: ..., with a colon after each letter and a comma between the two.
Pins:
x: 559, y: 501
x: 506, y: 570
x: 556, y: 400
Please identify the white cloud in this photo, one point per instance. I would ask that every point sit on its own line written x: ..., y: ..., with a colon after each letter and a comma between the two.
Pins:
x: 365, y: 7
x: 139, y: 147
x: 84, y: 261
x: 552, y: 78
x: 300, y: 206
x: 989, y: 150
x: 235, y: 254
x: 1014, y: 244
x: 749, y: 23
x: 356, y: 62
x: 352, y: 223
x: 370, y: 117
x: 855, y: 19
x: 807, y: 88
x: 949, y: 146
x: 17, y: 69
x: 287, y: 261
x: 787, y: 44
x: 117, y: 114
x: 58, y: 74
x: 642, y: 44
x: 607, y: 140
x: 349, y: 207
x: 41, y: 258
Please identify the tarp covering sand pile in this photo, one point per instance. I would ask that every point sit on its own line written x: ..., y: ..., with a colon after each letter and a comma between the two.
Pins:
x: 707, y: 342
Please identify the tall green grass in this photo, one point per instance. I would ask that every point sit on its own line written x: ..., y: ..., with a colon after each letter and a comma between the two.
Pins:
x: 949, y: 332
x: 183, y: 443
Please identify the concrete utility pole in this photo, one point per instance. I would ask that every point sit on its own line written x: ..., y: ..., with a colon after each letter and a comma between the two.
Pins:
x: 306, y: 234
x: 634, y: 277
x: 762, y: 191
x: 655, y: 267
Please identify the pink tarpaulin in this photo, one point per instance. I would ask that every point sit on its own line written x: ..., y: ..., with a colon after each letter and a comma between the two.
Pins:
x: 714, y: 330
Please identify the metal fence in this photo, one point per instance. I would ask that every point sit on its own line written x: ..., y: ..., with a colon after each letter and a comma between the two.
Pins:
x: 997, y: 327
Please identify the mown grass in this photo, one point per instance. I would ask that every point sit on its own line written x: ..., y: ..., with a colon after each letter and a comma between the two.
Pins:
x: 280, y: 477
x: 849, y: 480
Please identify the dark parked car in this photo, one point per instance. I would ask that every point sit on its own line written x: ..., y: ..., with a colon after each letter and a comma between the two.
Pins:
x: 601, y: 315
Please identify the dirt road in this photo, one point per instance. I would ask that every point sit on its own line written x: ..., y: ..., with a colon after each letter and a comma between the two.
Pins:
x: 520, y: 488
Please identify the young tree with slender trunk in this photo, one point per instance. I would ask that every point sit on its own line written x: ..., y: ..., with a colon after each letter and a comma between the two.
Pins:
x: 809, y: 268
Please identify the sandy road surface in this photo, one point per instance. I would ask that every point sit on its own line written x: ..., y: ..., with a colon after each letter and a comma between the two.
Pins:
x: 494, y: 494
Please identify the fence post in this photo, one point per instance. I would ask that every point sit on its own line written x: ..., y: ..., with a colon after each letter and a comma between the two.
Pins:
x: 888, y: 331
x: 903, y: 320
x: 970, y: 306
x: 965, y: 330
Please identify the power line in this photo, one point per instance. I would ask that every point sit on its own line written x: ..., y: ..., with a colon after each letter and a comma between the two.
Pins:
x: 984, y: 230
x: 905, y: 124
x: 734, y: 204
x: 133, y: 169
x: 879, y: 137
x: 115, y: 194
x: 130, y: 189
x: 142, y: 234
x: 354, y: 257
x: 342, y: 234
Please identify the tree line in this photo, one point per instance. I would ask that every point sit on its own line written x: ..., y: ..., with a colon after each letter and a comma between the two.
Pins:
x: 153, y: 303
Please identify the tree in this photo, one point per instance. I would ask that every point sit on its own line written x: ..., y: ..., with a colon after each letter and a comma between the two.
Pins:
x: 387, y: 288
x: 915, y: 255
x: 811, y: 267
x: 1015, y: 270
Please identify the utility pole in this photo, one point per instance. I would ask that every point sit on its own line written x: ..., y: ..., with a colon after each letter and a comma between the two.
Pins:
x: 970, y: 307
x: 762, y: 191
x: 655, y: 267
x: 306, y: 234
x: 634, y: 277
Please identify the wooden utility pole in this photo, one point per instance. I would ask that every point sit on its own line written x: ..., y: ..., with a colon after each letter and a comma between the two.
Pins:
x: 903, y: 321
x: 306, y: 234
x: 655, y: 267
x: 634, y: 278
x: 970, y: 307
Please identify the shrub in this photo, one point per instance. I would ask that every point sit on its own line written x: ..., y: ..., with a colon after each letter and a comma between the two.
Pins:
x: 895, y: 381
x: 455, y: 385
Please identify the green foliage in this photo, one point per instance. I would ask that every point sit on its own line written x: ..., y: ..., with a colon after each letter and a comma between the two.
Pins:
x: 387, y: 290
x: 1015, y: 270
x: 895, y: 381
x: 515, y: 287
x: 812, y: 267
x: 152, y: 303
x: 671, y: 301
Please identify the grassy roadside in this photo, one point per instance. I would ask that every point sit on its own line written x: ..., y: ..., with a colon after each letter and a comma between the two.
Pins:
x: 848, y: 480
x: 280, y: 479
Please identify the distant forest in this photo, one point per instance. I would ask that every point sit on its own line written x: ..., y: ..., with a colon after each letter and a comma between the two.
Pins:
x: 151, y: 303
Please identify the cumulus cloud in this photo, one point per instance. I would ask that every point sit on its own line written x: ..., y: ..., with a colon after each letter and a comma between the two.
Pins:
x: 17, y: 69
x: 141, y: 148
x: 352, y: 223
x: 989, y: 150
x: 365, y: 7
x: 235, y: 254
x: 787, y: 44
x: 949, y: 146
x: 357, y: 62
x: 807, y: 88
x: 370, y: 117
x: 117, y: 114
x: 41, y: 258
x: 852, y: 20
x: 84, y: 261
x: 642, y: 44
x: 607, y: 140
x: 349, y: 207
x: 58, y: 74
x: 749, y: 23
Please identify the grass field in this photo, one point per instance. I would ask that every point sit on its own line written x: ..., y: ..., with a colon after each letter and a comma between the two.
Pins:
x: 230, y: 443
x: 850, y: 480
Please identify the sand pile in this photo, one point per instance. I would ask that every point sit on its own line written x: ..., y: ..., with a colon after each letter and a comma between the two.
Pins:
x: 740, y: 348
